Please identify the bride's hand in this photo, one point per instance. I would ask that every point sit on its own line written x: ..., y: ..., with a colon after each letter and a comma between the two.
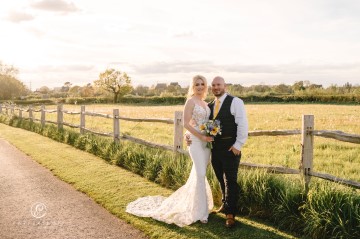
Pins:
x: 207, y: 138
x: 187, y: 139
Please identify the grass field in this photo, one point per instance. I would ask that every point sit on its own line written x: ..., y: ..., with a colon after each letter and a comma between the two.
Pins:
x: 330, y: 156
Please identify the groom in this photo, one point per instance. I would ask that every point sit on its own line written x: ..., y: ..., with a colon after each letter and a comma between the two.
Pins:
x: 226, y: 152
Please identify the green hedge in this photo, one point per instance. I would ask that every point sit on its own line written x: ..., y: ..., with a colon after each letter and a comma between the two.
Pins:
x: 330, y: 99
x: 30, y: 102
x: 154, y: 100
x: 180, y: 100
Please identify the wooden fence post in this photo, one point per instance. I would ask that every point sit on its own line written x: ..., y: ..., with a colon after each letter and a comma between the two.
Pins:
x: 20, y: 112
x: 82, y: 119
x: 307, y: 149
x: 116, y: 125
x: 43, y: 115
x: 60, y: 117
x: 30, y: 113
x: 178, y: 131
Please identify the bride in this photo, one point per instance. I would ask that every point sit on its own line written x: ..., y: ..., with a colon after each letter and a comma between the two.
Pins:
x: 193, y: 201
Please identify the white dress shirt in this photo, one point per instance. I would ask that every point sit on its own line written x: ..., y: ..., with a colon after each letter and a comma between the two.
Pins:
x: 237, y: 109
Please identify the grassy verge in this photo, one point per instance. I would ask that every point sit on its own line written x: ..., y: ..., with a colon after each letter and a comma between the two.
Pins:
x: 113, y: 188
x: 329, y: 210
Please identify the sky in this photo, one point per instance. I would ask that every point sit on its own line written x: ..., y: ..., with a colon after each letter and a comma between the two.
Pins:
x: 247, y: 42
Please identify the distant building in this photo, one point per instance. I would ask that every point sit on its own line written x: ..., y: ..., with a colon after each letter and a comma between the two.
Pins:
x: 314, y: 86
x: 174, y: 84
x: 161, y: 86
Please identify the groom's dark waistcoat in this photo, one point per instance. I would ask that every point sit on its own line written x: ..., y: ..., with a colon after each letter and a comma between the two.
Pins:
x: 228, y: 125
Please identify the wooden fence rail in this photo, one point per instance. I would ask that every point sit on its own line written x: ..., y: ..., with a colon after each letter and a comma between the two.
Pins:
x: 307, y: 137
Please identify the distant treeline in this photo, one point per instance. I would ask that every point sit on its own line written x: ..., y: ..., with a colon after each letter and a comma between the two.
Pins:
x: 179, y: 100
x: 114, y: 86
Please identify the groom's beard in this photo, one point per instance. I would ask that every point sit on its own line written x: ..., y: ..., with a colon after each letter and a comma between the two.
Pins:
x: 219, y: 94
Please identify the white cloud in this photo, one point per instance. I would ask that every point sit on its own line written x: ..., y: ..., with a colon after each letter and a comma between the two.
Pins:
x: 277, y: 41
x: 207, y: 66
x: 17, y: 16
x: 174, y: 67
x: 63, y: 68
x: 184, y: 34
x: 55, y: 5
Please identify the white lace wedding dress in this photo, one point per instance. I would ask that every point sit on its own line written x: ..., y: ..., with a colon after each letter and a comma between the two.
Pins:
x: 191, y: 202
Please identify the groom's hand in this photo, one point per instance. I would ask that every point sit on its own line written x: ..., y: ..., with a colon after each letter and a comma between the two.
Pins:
x: 235, y: 151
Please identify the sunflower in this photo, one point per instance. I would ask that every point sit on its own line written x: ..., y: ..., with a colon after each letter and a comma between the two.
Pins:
x: 214, y: 131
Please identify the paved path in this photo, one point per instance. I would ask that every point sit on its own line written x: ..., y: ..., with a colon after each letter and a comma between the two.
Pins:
x: 36, y: 204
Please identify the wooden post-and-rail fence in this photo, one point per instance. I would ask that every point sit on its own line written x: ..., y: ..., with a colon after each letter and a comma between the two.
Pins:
x: 307, y: 137
x: 178, y: 128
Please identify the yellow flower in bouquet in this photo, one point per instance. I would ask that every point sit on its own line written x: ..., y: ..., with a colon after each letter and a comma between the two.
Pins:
x: 214, y: 131
x: 211, y: 128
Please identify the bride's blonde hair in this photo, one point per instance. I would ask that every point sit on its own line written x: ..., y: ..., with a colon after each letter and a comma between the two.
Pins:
x: 192, y: 85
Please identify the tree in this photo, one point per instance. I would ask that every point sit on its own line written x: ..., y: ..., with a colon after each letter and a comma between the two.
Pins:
x: 283, y: 89
x: 74, y: 91
x: 44, y: 90
x: 141, y: 90
x: 235, y: 89
x: 66, y: 87
x: 67, y: 84
x: 298, y: 86
x: 87, y: 90
x: 262, y: 88
x: 173, y: 89
x: 10, y: 87
x: 8, y: 70
x: 347, y: 87
x: 115, y: 82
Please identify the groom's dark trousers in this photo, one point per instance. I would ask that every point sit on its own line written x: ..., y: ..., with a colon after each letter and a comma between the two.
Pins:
x: 225, y: 163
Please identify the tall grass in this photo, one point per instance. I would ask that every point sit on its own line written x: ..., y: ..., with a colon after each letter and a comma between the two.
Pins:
x: 327, y: 211
x: 330, y: 211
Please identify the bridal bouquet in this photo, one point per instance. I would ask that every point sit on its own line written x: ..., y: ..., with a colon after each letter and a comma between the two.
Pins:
x: 211, y: 128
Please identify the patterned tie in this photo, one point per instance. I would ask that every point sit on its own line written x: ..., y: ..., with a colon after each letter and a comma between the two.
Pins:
x: 217, y: 107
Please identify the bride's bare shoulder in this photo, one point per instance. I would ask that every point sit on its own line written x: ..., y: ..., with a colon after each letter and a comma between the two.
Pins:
x: 190, y: 102
x: 189, y: 106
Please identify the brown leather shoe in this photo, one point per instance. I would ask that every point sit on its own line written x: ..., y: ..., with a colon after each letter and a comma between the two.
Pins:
x: 219, y: 210
x: 230, y: 221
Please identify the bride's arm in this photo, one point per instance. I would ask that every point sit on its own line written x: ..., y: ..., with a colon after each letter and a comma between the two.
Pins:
x: 188, y: 109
